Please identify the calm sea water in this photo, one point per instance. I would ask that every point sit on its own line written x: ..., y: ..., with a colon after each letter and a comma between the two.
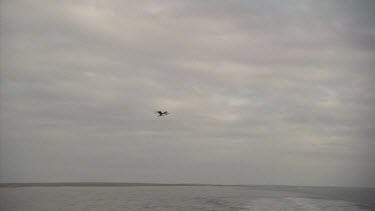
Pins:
x: 181, y: 198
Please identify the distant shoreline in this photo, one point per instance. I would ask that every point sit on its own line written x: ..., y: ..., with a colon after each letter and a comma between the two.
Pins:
x: 114, y: 184
x: 99, y: 184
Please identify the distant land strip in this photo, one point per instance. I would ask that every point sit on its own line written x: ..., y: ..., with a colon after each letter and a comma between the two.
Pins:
x: 98, y: 184
x: 123, y: 184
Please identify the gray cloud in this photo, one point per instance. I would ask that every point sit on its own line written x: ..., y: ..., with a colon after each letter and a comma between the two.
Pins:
x: 259, y: 92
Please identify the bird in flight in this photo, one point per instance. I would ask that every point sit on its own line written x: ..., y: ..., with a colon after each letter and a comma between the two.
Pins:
x: 162, y: 113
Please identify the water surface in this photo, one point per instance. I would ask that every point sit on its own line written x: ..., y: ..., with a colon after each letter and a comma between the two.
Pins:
x: 184, y: 198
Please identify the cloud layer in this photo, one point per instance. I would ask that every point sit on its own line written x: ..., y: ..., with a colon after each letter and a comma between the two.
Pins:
x: 259, y: 92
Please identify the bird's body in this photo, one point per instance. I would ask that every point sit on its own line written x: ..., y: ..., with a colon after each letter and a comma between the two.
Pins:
x: 162, y: 113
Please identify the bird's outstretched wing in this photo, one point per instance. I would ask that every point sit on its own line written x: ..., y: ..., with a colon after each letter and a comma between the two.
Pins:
x: 159, y: 112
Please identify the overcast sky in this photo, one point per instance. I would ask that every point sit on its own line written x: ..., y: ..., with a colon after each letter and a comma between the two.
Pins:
x: 260, y: 92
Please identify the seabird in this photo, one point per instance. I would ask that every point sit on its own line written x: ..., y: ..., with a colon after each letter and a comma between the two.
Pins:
x: 162, y: 113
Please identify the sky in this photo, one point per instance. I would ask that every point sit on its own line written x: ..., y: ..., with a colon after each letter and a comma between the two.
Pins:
x: 259, y: 92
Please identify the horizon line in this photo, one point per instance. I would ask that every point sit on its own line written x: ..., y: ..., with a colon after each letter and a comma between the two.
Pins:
x: 133, y: 184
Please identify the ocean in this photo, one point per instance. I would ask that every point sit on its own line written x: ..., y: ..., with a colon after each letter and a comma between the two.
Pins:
x: 186, y: 198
